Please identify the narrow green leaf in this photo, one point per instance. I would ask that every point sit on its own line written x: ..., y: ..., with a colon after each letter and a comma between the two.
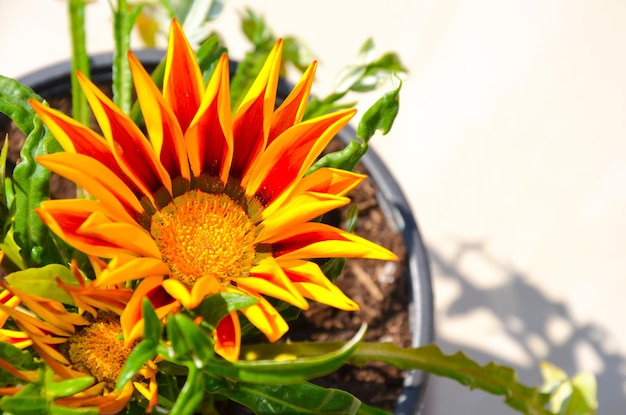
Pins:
x: 301, y: 398
x: 380, y: 116
x: 64, y: 410
x: 333, y: 268
x: 344, y: 159
x: 26, y: 402
x: 491, y: 378
x: 175, y: 336
x: 142, y: 352
x: 370, y: 410
x: 69, y: 387
x: 20, y: 359
x: 152, y: 326
x: 351, y: 218
x: 42, y: 281
x: 284, y: 367
x: 217, y: 306
x: 208, y: 55
x: 198, y: 340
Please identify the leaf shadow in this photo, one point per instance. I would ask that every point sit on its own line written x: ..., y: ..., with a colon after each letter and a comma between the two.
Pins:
x: 527, y: 317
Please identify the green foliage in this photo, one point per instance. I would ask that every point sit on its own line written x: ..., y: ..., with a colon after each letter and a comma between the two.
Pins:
x: 38, y: 398
x: 218, y: 306
x: 263, y: 39
x: 491, y: 378
x: 367, y: 75
x: 576, y: 396
x: 301, y: 398
x: 80, y: 59
x: 379, y: 117
x: 19, y: 359
x: 42, y: 281
x: 124, y: 18
x: 31, y: 181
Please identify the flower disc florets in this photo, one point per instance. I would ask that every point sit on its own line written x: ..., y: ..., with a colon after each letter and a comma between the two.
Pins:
x: 202, y: 234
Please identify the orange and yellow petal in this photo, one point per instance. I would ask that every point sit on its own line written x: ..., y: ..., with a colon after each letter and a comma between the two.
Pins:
x: 311, y: 282
x: 268, y: 278
x: 330, y: 180
x: 252, y: 121
x: 117, y: 198
x: 291, y: 110
x: 183, y: 85
x: 263, y: 316
x: 300, y: 208
x: 289, y: 156
x: 227, y: 337
x: 209, y: 138
x: 163, y: 128
x: 318, y: 240
x: 107, y: 403
x: 124, y: 268
x: 131, y: 149
x: 131, y: 319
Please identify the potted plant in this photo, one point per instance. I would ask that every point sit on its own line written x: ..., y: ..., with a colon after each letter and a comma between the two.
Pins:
x: 128, y: 268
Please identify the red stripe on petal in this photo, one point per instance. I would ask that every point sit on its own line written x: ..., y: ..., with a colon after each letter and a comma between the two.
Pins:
x: 292, y: 109
x: 228, y: 337
x: 290, y: 155
x: 249, y: 137
x: 183, y: 85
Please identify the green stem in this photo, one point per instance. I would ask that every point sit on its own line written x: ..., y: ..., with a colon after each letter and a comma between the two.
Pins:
x: 123, y: 22
x: 80, y: 59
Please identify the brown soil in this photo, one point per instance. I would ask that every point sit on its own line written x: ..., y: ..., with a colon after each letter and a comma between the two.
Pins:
x: 378, y: 287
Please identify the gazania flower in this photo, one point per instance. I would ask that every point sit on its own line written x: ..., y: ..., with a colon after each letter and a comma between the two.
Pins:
x: 77, y: 345
x: 209, y: 201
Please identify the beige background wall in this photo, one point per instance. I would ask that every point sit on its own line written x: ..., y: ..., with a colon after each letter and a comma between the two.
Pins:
x: 510, y: 145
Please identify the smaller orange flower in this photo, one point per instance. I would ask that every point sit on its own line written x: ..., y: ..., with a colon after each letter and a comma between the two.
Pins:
x: 86, y: 343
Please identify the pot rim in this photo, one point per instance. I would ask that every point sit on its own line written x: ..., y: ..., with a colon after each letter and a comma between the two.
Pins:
x: 54, y: 79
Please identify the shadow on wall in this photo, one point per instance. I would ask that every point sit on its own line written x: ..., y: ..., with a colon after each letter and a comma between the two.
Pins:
x: 528, y: 318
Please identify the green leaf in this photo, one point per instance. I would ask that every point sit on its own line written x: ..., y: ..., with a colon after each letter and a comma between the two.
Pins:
x: 257, y: 31
x: 42, y: 282
x: 26, y: 402
x: 142, y: 352
x: 491, y: 378
x: 217, y: 306
x: 285, y: 364
x: 14, y: 103
x: 152, y: 326
x: 175, y: 336
x: 380, y: 116
x: 20, y: 359
x: 333, y: 268
x: 64, y: 410
x: 208, y: 55
x: 345, y: 159
x: 199, y: 341
x: 577, y: 396
x: 69, y: 387
x: 31, y: 180
x: 370, y: 410
x: 301, y: 398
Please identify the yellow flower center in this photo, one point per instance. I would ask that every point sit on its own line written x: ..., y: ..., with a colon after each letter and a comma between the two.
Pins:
x: 202, y: 234
x: 98, y: 349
